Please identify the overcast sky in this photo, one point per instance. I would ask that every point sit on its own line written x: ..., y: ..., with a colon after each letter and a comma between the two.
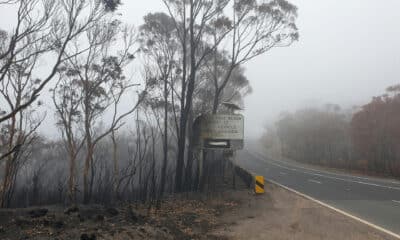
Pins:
x: 349, y: 51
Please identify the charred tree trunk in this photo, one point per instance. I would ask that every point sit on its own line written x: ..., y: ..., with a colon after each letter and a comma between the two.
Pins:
x: 10, y: 161
x: 72, y: 175
x: 89, y: 150
x: 165, y: 141
x: 115, y: 166
x: 86, y: 171
x: 190, y: 156
x: 153, y: 169
x: 188, y: 104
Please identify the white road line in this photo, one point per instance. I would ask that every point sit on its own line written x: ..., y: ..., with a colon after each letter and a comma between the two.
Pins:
x: 330, y: 177
x: 314, y: 181
x: 396, y: 201
x: 315, y: 170
x: 338, y: 210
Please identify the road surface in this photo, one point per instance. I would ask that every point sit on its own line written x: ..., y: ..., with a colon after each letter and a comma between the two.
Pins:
x: 371, y: 199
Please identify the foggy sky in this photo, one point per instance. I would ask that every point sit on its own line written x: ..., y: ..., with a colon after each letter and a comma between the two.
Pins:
x: 349, y: 51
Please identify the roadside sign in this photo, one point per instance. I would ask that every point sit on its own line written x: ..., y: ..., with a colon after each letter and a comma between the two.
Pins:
x: 219, y: 131
x: 220, y: 126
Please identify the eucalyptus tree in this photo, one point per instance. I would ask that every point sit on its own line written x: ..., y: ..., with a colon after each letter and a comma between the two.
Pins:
x: 43, y: 29
x: 159, y: 45
x: 255, y: 27
x: 211, y: 75
x: 98, y: 79
x: 191, y: 19
x: 66, y: 99
x: 243, y: 28
x: 19, y: 132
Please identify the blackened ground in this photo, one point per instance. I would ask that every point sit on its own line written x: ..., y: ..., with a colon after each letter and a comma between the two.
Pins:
x: 223, y: 214
x: 186, y: 216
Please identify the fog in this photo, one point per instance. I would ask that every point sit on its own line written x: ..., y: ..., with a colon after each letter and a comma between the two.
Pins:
x: 117, y: 109
x: 348, y: 52
x: 125, y: 100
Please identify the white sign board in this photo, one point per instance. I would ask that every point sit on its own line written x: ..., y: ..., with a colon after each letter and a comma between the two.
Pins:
x: 218, y: 126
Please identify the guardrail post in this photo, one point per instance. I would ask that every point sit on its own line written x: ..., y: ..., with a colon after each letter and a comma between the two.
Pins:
x: 259, y: 185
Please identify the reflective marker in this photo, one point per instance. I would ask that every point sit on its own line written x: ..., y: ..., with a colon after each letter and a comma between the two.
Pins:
x: 259, y: 186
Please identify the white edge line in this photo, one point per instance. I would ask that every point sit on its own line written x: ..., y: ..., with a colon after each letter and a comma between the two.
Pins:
x: 376, y: 227
x: 321, y: 171
x: 322, y: 175
x: 337, y: 210
x: 314, y: 181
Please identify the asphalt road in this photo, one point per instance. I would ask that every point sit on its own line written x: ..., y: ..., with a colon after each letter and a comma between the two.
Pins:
x: 371, y: 199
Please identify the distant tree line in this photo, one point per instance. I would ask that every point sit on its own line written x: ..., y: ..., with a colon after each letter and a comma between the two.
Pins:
x: 365, y: 139
x: 124, y: 98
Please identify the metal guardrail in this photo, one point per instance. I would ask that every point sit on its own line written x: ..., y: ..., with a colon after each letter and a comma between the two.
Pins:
x: 246, y: 176
x: 251, y: 180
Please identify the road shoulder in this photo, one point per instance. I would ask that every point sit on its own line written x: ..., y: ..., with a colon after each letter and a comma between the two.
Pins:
x: 281, y: 214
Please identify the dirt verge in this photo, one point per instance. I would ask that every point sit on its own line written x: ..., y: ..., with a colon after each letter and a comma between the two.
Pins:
x: 281, y: 214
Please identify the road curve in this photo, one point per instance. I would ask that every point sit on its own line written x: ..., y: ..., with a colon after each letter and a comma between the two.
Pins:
x: 374, y: 200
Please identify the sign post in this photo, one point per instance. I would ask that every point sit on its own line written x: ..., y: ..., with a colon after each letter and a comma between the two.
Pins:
x: 218, y: 131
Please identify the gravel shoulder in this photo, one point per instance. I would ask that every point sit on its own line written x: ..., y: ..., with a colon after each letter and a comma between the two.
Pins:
x: 281, y: 214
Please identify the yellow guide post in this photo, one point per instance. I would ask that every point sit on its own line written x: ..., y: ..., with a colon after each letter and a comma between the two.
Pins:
x: 259, y: 186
